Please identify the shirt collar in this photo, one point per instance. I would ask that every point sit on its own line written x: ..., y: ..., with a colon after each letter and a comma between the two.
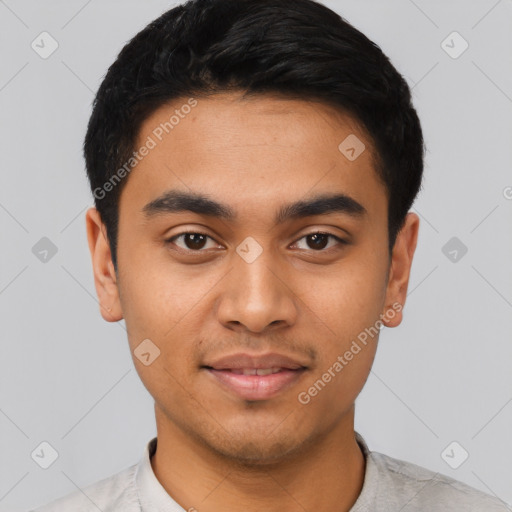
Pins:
x: 152, y: 496
x: 366, y: 498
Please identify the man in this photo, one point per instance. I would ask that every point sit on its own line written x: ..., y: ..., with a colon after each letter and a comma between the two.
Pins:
x: 253, y: 164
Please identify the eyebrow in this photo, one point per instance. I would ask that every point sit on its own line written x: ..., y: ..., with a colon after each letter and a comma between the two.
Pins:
x: 175, y: 201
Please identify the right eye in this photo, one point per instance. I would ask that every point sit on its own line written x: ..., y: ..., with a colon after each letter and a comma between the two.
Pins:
x: 192, y: 241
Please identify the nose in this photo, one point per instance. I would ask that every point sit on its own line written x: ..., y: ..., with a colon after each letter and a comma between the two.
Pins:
x: 257, y: 296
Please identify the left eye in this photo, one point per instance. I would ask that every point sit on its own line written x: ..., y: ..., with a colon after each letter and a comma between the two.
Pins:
x: 319, y: 240
x: 197, y: 241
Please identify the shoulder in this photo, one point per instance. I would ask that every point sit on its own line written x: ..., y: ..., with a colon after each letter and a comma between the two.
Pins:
x: 422, y: 489
x: 114, y: 493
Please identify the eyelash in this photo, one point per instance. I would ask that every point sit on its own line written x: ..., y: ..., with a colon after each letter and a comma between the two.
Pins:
x: 192, y: 251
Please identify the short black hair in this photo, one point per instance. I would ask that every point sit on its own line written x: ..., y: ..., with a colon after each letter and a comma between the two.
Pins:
x: 297, y: 48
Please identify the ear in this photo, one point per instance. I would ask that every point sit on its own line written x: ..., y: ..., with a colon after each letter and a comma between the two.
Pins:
x: 105, y: 279
x: 400, y: 268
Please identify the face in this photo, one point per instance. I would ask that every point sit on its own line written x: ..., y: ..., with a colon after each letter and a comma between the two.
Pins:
x: 253, y: 254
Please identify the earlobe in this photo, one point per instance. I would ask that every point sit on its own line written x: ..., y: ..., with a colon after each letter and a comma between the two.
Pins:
x: 400, y: 269
x: 105, y: 279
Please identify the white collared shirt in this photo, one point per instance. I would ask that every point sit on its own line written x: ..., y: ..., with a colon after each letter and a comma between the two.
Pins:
x: 389, y: 485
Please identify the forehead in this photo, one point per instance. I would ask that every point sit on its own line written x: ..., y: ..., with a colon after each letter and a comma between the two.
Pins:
x: 253, y: 152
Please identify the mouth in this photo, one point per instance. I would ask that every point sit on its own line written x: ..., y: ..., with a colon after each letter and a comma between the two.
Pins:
x: 255, y: 378
x: 254, y: 371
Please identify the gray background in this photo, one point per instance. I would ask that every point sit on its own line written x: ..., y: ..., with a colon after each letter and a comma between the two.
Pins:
x: 444, y: 375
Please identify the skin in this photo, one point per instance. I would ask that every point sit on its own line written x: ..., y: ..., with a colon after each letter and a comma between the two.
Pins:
x: 215, y: 450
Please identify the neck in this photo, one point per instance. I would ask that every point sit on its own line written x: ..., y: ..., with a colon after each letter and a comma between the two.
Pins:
x: 326, y: 475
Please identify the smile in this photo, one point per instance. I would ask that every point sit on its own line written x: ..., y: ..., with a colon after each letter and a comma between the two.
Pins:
x: 256, y: 384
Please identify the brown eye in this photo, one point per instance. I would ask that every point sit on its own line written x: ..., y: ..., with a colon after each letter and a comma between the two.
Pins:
x: 319, y: 241
x: 191, y: 241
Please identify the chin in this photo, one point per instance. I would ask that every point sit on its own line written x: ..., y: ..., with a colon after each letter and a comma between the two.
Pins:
x: 254, y: 446
x: 256, y: 452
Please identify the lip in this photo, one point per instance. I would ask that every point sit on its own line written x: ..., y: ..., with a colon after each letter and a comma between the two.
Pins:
x: 258, y: 361
x: 256, y: 387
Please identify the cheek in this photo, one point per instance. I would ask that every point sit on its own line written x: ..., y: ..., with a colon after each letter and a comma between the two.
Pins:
x: 348, y: 307
x: 349, y: 298
x: 346, y: 339
x: 160, y: 323
x: 161, y: 305
x: 332, y: 390
x: 154, y: 293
